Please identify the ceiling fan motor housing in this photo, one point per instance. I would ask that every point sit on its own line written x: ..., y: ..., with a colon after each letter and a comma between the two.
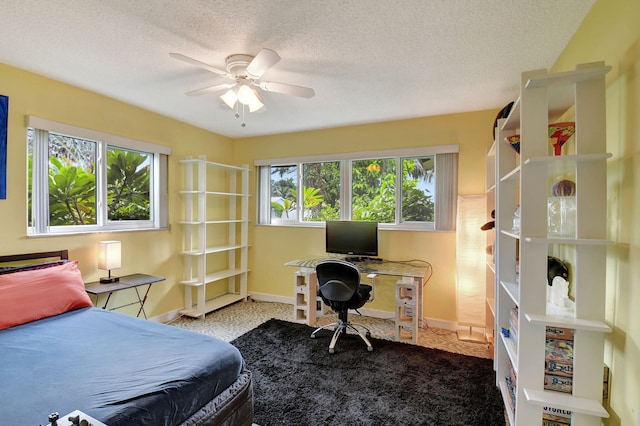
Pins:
x: 236, y: 65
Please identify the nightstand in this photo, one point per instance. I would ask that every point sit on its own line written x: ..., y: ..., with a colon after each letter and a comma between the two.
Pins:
x: 126, y: 282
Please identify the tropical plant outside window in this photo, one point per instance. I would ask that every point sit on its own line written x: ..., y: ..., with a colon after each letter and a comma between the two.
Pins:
x: 72, y: 180
x: 284, y: 193
x: 90, y: 185
x: 385, y: 190
x: 128, y: 184
x: 321, y: 191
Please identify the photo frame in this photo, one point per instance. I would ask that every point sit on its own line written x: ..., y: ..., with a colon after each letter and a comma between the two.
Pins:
x: 4, y: 122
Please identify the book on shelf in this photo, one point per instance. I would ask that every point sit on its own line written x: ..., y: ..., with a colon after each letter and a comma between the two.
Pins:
x: 513, y: 325
x: 559, y: 350
x: 511, y: 393
x: 558, y: 360
x: 555, y: 417
x: 512, y: 384
x: 558, y: 383
x: 560, y: 333
x: 558, y: 368
x: 605, y: 382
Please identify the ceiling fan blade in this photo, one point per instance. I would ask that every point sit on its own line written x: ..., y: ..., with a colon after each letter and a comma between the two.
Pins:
x: 210, y: 89
x: 202, y: 65
x: 264, y: 60
x: 287, y: 89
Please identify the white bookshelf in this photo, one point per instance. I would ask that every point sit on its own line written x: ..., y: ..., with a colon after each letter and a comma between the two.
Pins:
x: 215, y: 232
x: 521, y: 254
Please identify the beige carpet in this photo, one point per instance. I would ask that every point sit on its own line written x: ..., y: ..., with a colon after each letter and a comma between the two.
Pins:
x: 235, y: 320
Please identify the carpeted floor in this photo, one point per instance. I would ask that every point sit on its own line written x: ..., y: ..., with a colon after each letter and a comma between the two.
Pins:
x: 235, y: 320
x: 297, y: 382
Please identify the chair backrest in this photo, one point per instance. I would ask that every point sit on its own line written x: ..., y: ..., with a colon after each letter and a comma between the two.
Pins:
x: 337, y: 280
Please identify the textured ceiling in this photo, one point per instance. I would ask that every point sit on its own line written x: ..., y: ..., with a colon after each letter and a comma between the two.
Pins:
x: 368, y: 60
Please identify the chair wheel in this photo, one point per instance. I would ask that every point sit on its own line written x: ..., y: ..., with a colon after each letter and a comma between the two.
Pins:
x: 370, y: 348
x: 313, y: 336
x: 331, y: 350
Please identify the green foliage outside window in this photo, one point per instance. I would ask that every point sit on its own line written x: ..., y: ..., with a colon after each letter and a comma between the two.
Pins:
x: 321, y: 191
x: 128, y: 185
x: 72, y: 182
x: 374, y: 186
x: 72, y: 194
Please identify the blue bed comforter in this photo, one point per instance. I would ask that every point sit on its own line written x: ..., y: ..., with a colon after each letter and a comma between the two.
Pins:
x: 118, y: 369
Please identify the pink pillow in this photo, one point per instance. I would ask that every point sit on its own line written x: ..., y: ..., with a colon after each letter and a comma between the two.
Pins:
x: 32, y: 295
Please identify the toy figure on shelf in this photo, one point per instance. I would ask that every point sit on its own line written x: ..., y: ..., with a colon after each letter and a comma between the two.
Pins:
x: 557, y: 282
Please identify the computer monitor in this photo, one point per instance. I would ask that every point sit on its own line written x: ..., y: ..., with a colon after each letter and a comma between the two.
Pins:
x: 352, y: 237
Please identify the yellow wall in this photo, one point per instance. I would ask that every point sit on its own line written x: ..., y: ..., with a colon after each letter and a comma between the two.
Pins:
x: 155, y: 252
x: 151, y: 252
x: 611, y: 33
x: 274, y: 245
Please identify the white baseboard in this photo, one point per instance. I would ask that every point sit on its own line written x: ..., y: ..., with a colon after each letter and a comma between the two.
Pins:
x: 166, y: 317
x: 374, y: 313
x: 264, y: 297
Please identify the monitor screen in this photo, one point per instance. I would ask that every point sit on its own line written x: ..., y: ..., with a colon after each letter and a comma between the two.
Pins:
x: 352, y: 237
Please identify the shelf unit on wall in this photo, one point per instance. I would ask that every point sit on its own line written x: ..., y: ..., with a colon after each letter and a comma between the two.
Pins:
x: 490, y: 190
x: 215, y: 230
x: 522, y: 254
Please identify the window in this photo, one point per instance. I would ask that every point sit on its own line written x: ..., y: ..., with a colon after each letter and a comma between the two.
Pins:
x: 407, y: 189
x: 85, y: 181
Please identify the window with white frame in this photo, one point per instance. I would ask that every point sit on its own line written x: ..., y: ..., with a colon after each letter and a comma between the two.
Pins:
x: 81, y: 180
x: 404, y: 189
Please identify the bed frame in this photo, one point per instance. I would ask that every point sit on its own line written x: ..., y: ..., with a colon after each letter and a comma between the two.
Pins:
x: 232, y: 407
x: 43, y: 255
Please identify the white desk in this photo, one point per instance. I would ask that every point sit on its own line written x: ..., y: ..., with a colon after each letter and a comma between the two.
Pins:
x: 306, y: 305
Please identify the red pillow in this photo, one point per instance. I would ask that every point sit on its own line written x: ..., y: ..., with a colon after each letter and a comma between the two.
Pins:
x: 32, y: 295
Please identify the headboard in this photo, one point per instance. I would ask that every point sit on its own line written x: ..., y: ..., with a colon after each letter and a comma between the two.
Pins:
x: 41, y: 256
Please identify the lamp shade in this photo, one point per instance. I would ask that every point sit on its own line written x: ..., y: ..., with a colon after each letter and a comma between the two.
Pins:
x: 230, y: 98
x: 471, y: 260
x: 109, y: 255
x: 248, y: 96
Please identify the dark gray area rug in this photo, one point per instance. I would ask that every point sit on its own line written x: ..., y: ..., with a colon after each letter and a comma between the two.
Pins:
x: 297, y: 382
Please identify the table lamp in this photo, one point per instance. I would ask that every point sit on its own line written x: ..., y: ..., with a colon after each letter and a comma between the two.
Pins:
x: 109, y: 258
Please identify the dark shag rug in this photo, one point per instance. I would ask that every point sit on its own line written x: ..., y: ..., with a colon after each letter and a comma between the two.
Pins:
x: 297, y: 381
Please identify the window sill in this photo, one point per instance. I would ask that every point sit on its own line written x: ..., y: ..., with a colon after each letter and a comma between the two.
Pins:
x: 382, y: 226
x: 104, y: 231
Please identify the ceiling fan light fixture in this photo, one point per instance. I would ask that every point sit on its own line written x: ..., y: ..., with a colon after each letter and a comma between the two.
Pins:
x: 230, y: 98
x: 256, y: 104
x: 247, y: 96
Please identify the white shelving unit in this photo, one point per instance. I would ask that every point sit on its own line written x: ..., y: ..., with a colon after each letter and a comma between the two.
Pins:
x: 215, y: 229
x: 521, y: 255
x: 490, y: 190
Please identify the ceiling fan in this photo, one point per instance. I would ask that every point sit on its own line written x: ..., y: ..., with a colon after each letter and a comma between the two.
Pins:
x: 246, y: 72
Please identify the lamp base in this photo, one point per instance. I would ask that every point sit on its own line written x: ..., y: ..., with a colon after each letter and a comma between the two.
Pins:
x: 109, y: 280
x: 471, y: 336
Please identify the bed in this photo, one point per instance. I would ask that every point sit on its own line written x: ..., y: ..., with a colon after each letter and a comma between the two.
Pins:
x: 58, y: 353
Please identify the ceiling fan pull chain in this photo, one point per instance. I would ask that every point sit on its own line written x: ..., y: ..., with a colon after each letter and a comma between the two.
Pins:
x: 243, y: 123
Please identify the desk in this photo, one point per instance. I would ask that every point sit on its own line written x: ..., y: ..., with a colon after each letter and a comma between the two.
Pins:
x: 307, y: 305
x: 128, y: 281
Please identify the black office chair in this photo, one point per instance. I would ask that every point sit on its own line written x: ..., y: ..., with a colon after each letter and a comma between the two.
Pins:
x: 340, y: 289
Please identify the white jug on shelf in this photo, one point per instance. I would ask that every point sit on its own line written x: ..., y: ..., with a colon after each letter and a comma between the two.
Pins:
x: 559, y: 292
